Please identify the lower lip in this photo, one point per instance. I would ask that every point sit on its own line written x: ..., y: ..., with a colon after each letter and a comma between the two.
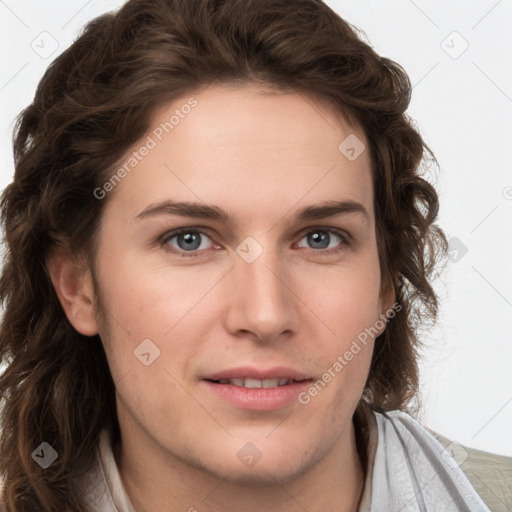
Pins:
x: 258, y: 399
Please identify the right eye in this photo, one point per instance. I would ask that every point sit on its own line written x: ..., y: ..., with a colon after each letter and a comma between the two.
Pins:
x: 186, y: 240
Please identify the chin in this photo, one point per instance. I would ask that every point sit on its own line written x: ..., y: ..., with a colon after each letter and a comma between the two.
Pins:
x: 260, y: 475
x: 281, y: 467
x: 272, y: 468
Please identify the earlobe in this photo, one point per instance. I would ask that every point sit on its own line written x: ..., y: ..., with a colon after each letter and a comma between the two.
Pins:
x: 73, y: 286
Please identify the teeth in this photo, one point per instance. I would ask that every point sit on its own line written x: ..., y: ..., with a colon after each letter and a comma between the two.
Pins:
x: 256, y: 383
x: 270, y: 383
x: 253, y: 383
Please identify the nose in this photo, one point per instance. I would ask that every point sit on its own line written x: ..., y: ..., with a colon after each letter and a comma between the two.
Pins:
x: 261, y: 298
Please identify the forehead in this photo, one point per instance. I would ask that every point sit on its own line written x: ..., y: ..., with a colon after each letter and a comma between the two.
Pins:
x: 243, y: 146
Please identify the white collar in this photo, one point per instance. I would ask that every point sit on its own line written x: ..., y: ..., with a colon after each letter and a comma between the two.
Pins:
x: 412, y: 472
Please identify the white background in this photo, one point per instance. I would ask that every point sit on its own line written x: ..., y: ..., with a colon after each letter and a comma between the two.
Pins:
x: 462, y: 104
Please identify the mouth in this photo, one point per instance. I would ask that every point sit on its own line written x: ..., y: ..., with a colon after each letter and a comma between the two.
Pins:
x: 252, y: 383
x: 257, y: 389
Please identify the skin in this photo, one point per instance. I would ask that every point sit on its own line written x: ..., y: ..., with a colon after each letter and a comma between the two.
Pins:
x: 260, y: 157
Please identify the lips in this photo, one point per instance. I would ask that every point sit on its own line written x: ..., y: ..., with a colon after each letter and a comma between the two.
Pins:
x: 248, y: 382
x: 251, y: 377
x: 257, y: 389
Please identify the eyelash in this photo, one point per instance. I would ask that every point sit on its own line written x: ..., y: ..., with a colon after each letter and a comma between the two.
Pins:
x: 346, y: 241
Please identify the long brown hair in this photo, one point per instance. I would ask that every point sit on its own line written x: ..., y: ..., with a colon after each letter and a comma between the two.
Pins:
x: 95, y: 101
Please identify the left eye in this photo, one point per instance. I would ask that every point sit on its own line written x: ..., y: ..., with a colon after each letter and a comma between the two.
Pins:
x: 321, y: 238
x: 190, y: 241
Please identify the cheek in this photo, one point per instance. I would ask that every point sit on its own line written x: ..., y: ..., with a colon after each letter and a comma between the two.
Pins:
x: 144, y: 321
x: 152, y: 392
x: 349, y: 309
x: 163, y: 306
x: 148, y: 301
x: 346, y: 298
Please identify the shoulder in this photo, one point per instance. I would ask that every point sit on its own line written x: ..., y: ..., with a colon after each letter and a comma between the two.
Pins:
x: 489, y: 473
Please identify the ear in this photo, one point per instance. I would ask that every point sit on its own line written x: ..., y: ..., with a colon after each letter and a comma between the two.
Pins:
x: 73, y: 284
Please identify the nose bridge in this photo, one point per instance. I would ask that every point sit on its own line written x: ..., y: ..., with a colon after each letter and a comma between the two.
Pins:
x: 261, y: 298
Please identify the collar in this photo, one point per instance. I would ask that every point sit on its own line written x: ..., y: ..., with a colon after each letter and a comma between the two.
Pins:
x: 407, y: 469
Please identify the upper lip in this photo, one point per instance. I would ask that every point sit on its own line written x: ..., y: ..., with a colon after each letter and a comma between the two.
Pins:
x: 252, y: 372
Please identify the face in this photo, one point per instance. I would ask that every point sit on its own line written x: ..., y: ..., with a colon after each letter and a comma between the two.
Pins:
x: 251, y: 284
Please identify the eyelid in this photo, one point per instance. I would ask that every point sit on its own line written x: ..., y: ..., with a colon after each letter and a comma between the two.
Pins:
x: 346, y: 239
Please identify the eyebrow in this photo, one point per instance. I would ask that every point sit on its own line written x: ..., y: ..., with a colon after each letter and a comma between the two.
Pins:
x: 212, y: 212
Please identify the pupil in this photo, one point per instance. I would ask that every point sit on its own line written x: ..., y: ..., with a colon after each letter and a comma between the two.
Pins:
x: 190, y: 239
x: 320, y: 238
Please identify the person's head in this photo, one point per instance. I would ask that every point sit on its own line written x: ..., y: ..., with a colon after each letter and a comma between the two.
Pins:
x: 262, y: 109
